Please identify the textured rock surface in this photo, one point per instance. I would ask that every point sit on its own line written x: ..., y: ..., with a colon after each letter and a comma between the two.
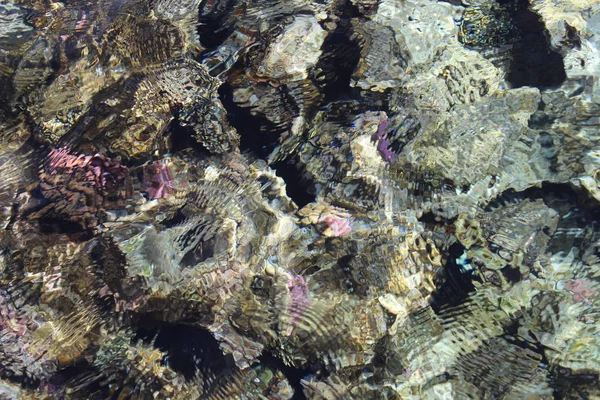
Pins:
x: 352, y: 199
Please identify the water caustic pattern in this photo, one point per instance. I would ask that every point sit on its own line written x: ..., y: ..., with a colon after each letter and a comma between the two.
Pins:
x: 344, y: 199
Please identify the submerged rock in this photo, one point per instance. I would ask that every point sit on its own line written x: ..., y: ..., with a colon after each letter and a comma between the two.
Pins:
x: 274, y: 200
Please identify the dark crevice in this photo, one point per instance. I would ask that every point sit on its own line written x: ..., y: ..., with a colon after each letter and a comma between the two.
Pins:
x: 541, y: 120
x: 454, y: 282
x: 260, y: 142
x: 429, y: 218
x: 69, y: 375
x: 512, y: 275
x: 253, y: 137
x: 180, y: 138
x: 569, y: 385
x: 560, y: 196
x: 533, y: 63
x: 51, y: 225
x: 293, y: 375
x: 297, y: 187
x: 385, y: 362
x: 178, y: 218
x: 181, y: 133
x: 350, y: 10
x: 192, y: 350
x: 335, y: 67
x: 189, y: 351
x: 201, y: 252
x: 215, y: 22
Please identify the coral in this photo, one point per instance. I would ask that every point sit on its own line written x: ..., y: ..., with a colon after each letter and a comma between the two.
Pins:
x: 383, y: 142
x: 157, y: 180
x: 97, y: 169
x: 336, y: 226
x: 275, y: 199
x: 81, y: 188
x: 582, y: 289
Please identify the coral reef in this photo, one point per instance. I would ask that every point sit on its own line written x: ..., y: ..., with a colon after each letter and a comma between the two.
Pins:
x: 349, y: 199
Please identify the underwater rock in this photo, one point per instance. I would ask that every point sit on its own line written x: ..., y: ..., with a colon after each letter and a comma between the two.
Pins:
x: 487, y: 24
x: 273, y: 200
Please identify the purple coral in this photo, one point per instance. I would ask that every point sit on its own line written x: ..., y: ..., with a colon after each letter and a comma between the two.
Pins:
x: 336, y: 226
x: 13, y: 322
x: 158, y: 180
x: 299, y: 299
x: 383, y: 142
x: 98, y: 170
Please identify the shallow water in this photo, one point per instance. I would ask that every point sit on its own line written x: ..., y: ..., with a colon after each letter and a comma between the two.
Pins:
x: 361, y: 199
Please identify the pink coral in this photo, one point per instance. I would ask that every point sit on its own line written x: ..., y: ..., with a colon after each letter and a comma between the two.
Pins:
x: 98, y: 170
x: 336, y: 226
x: 82, y: 23
x: 13, y: 322
x: 81, y: 187
x: 158, y: 181
x: 61, y: 159
x: 582, y: 289
x: 299, y: 299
